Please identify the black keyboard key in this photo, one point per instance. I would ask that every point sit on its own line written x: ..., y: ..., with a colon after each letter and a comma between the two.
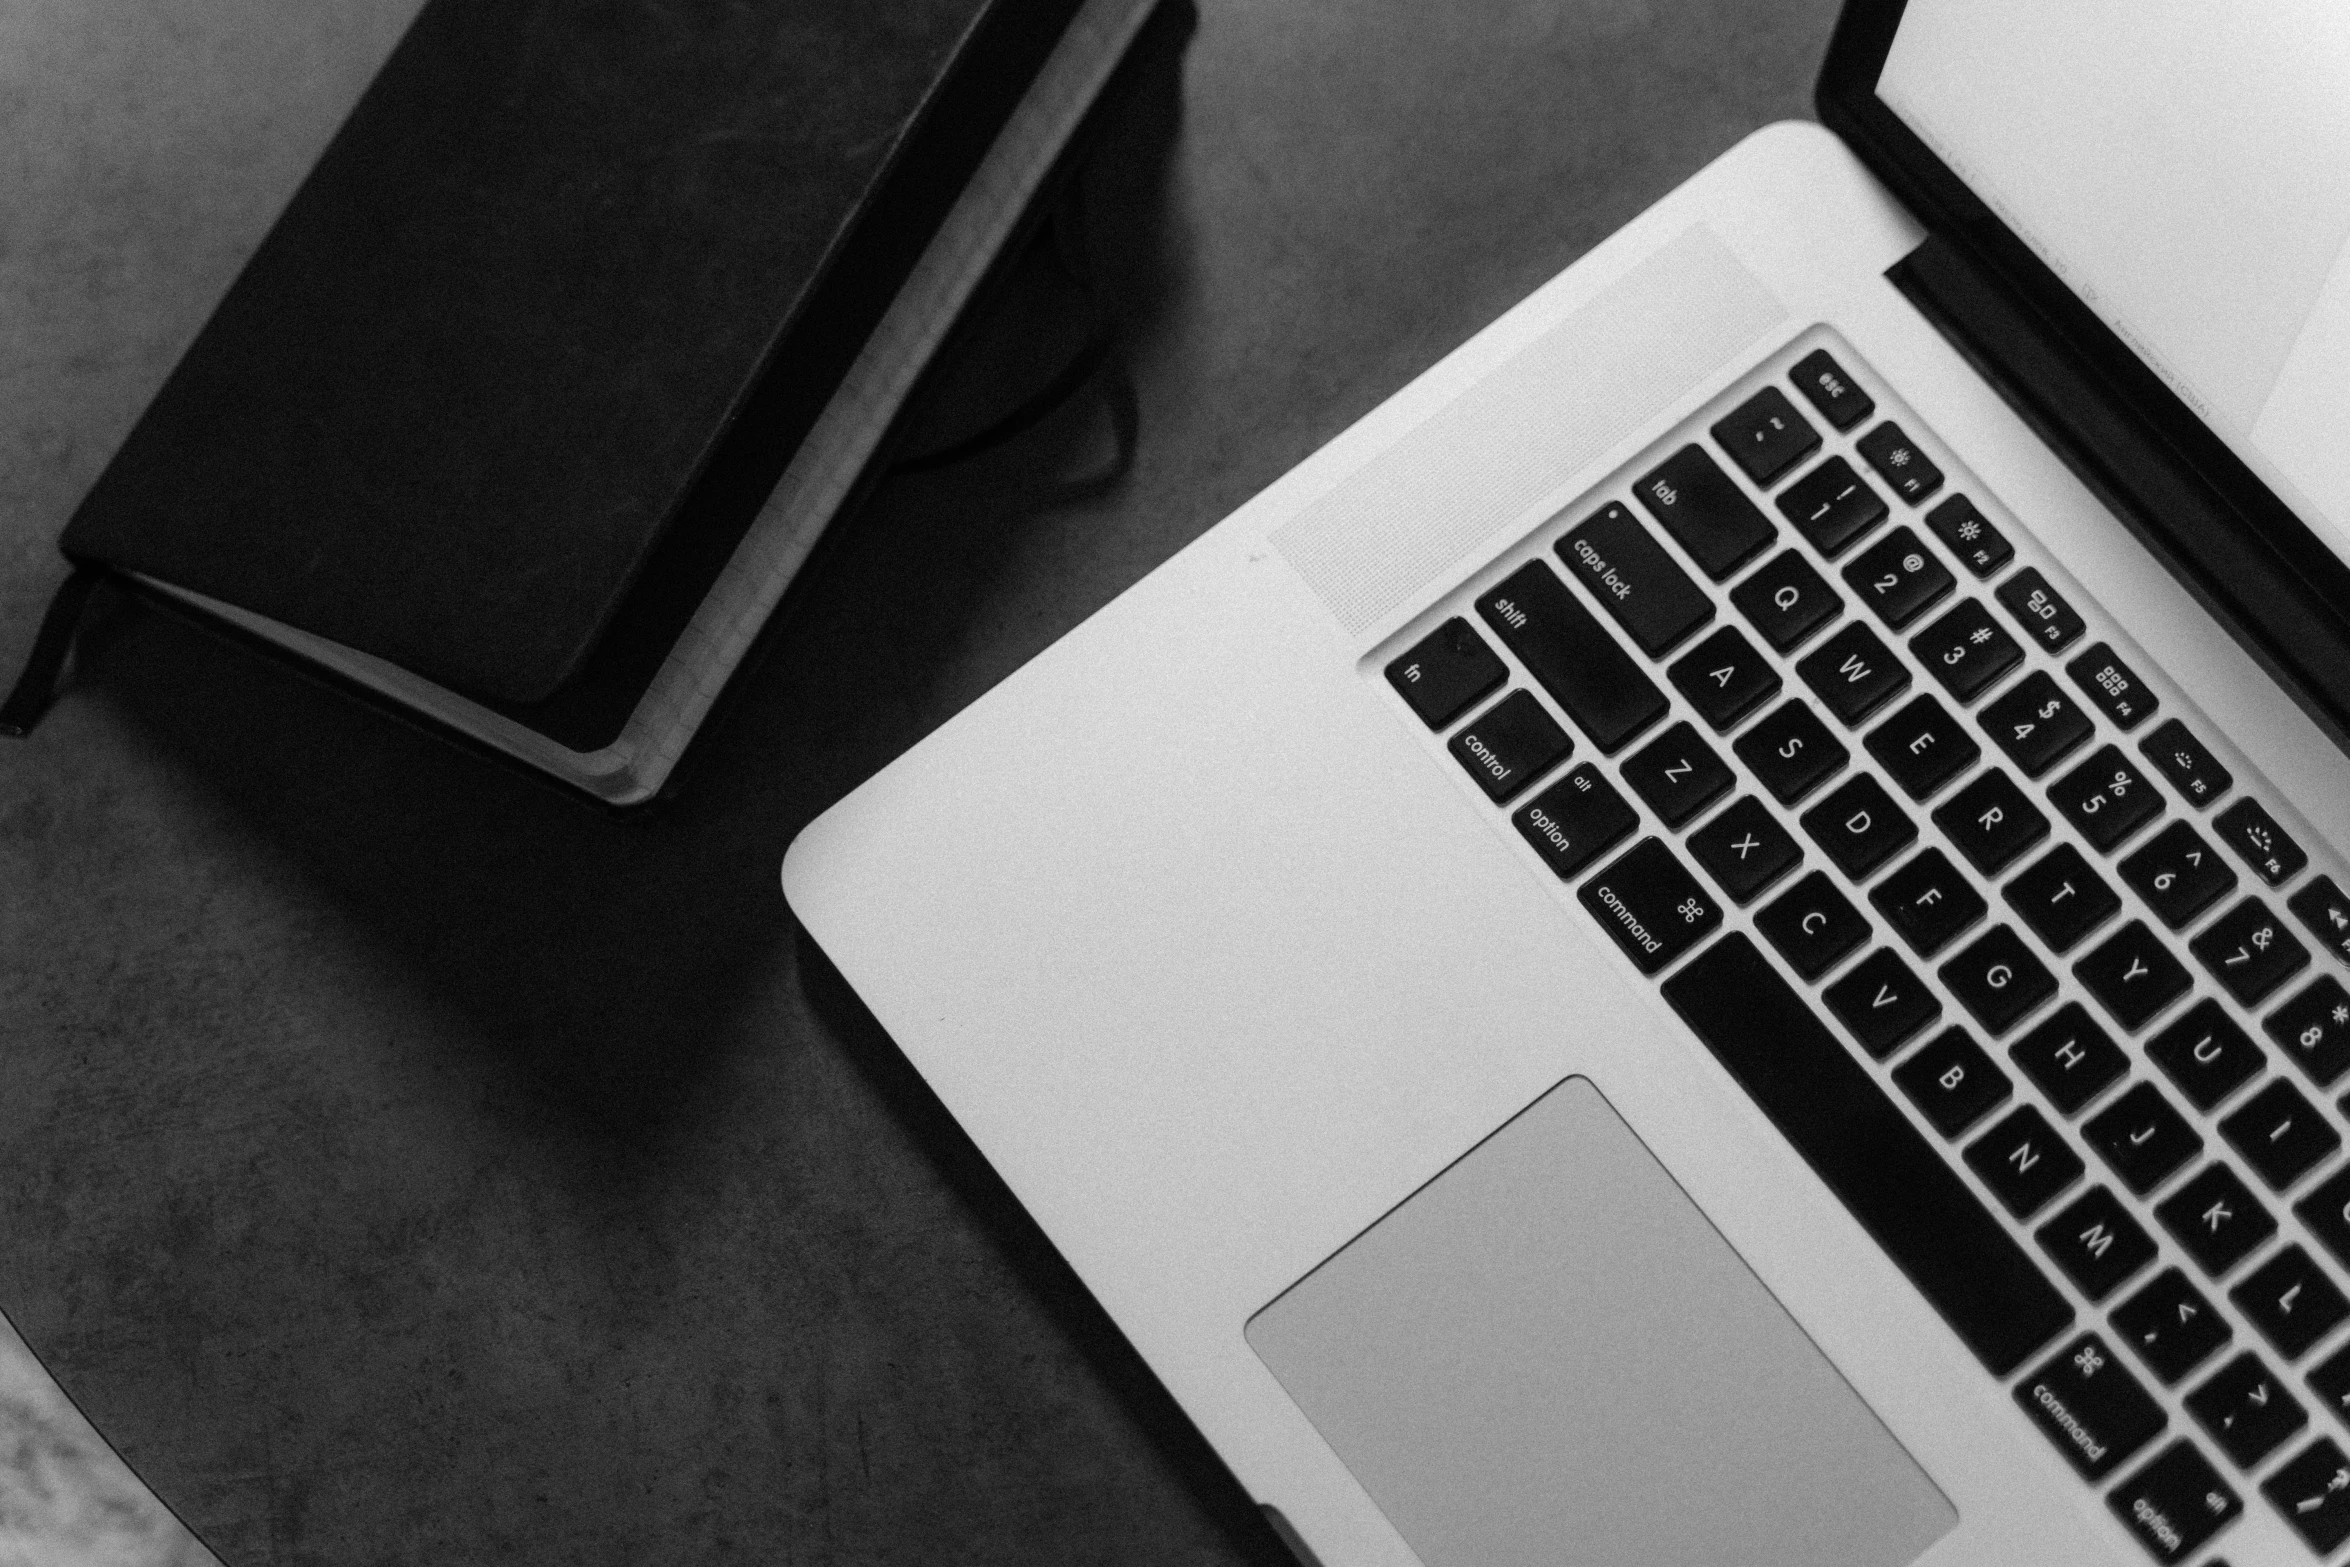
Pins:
x: 2170, y: 1326
x: 1888, y: 1175
x: 2249, y: 951
x: 2216, y: 1219
x: 2096, y: 1242
x: 1979, y: 546
x: 1928, y: 902
x: 1813, y: 925
x: 2181, y: 758
x: 1745, y: 849
x: 2143, y: 1138
x: 1445, y: 671
x: 1623, y: 566
x: 1854, y: 673
x: 2312, y: 1493
x: 1653, y: 908
x: 2024, y: 1161
x: 2046, y: 618
x: 1576, y: 820
x: 1992, y: 821
x: 2323, y: 910
x: 2326, y: 1210
x: 1791, y: 751
x: 2313, y: 1029
x: 2090, y: 1407
x: 1922, y: 747
x: 2247, y: 1410
x: 2132, y: 975
x: 2176, y: 1504
x: 1766, y: 436
x: 2061, y: 898
x: 2291, y: 1301
x: 2105, y: 798
x: 1998, y: 980
x: 1724, y: 678
x: 1966, y: 650
x: 1826, y: 387
x: 1787, y: 600
x: 1859, y: 827
x: 2111, y: 686
x: 1882, y: 1002
x: 1510, y: 744
x: 1677, y: 774
x: 2069, y: 1057
x: 1575, y: 658
x: 2280, y: 1134
x: 1705, y: 511
x: 1832, y: 506
x: 2036, y: 724
x: 2329, y: 1379
x: 2256, y: 838
x: 2178, y: 874
x: 1952, y: 1081
x: 2205, y: 1054
x: 1898, y: 577
x: 1900, y: 463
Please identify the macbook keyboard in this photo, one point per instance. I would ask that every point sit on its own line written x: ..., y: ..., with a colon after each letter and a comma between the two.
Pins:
x: 2002, y: 934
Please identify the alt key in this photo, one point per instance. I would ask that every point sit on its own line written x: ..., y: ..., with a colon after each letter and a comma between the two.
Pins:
x: 2176, y: 1504
x: 1576, y: 820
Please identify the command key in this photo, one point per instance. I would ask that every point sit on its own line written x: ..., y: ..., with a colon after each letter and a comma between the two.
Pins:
x: 1651, y: 905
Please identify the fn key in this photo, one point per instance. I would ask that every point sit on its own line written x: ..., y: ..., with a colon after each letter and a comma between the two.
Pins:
x: 1651, y: 905
x: 1444, y: 672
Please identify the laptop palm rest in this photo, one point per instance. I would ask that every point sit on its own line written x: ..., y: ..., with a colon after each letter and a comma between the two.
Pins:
x: 1548, y: 1354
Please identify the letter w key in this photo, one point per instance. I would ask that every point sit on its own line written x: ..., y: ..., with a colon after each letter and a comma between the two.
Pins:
x: 1854, y: 673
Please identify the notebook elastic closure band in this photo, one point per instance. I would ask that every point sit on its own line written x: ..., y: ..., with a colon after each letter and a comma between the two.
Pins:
x: 36, y: 688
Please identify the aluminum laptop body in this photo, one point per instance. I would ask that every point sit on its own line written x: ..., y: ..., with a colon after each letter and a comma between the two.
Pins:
x: 1359, y: 1110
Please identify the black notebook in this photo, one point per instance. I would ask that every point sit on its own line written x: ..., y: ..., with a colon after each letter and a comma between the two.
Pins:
x: 580, y: 331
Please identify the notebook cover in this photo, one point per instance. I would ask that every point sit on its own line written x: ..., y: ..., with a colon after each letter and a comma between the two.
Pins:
x: 472, y: 375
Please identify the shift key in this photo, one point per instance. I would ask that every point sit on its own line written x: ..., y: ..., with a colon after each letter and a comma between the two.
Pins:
x: 1576, y: 659
x: 1635, y: 580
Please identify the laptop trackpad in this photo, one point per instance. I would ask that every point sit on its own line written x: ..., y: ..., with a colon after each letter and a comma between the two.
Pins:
x: 1547, y: 1354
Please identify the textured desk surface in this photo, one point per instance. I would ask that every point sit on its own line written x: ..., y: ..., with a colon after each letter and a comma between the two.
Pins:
x: 400, y: 1163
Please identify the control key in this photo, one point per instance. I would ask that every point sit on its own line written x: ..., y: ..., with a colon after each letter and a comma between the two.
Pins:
x: 2176, y: 1504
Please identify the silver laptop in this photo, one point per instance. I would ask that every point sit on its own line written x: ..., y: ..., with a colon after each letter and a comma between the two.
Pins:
x: 1719, y: 936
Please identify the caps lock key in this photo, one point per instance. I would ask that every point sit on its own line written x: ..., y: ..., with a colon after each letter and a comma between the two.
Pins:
x: 1635, y: 580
